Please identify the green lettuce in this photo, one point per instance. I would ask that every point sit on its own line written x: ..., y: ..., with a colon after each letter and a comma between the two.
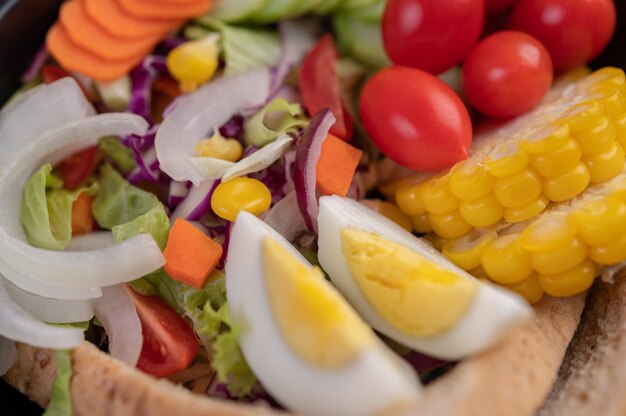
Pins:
x: 120, y: 155
x: 47, y: 210
x: 275, y: 119
x: 128, y: 210
x: 61, y: 399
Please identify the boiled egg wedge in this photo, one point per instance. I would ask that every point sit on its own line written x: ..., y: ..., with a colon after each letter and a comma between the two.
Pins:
x: 302, y: 340
x: 407, y: 290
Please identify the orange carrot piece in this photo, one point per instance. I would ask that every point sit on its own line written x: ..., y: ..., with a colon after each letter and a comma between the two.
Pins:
x: 336, y: 166
x: 153, y: 9
x: 87, y: 34
x: 82, y: 218
x: 190, y: 256
x: 112, y: 18
x: 74, y: 58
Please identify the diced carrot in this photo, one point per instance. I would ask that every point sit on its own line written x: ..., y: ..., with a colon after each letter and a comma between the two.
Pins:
x: 190, y: 256
x: 112, y: 18
x: 82, y: 218
x: 87, y: 34
x: 154, y: 9
x: 74, y: 58
x: 336, y: 166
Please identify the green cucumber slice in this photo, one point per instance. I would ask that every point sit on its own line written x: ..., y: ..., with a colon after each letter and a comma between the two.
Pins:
x: 274, y: 11
x: 235, y: 10
x: 356, y: 4
x: 327, y: 6
x: 361, y: 40
x: 371, y: 14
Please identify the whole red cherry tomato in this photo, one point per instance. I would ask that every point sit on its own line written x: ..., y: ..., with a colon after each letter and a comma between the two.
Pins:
x: 77, y: 167
x: 432, y: 35
x: 507, y: 74
x: 573, y: 31
x: 415, y: 119
x: 497, y: 6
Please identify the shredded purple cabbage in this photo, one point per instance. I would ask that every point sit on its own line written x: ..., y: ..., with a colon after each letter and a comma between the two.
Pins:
x: 204, y: 206
x: 258, y: 395
x: 421, y: 362
x: 274, y: 178
x: 167, y: 44
x: 142, y: 77
x: 233, y: 129
x: 35, y: 65
x: 145, y: 156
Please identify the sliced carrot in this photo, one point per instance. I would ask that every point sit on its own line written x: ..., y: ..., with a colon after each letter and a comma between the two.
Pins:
x: 87, y: 34
x: 153, y: 9
x: 112, y: 18
x: 82, y: 218
x: 190, y: 256
x: 74, y: 58
x: 336, y: 166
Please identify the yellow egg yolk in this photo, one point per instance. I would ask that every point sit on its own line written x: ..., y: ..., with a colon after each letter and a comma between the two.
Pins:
x: 315, y: 321
x: 411, y: 293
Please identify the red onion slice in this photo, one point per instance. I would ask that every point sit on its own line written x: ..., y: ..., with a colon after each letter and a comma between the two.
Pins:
x: 199, y: 114
x: 123, y: 262
x: 8, y: 354
x: 307, y: 154
x: 39, y: 110
x: 117, y: 313
x: 19, y: 325
x: 50, y: 310
x: 285, y: 217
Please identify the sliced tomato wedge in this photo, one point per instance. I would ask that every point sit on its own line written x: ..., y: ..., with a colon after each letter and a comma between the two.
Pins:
x: 51, y: 73
x: 319, y: 86
x: 169, y: 343
x: 76, y: 168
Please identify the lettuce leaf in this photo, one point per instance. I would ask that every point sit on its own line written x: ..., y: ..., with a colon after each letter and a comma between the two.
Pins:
x: 154, y: 222
x: 61, y: 399
x: 47, y: 210
x: 275, y: 119
x: 120, y: 155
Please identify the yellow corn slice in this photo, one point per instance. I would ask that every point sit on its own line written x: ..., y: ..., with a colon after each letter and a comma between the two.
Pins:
x: 573, y: 140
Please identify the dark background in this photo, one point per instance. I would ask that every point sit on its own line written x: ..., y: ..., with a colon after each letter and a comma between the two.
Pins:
x: 23, y: 24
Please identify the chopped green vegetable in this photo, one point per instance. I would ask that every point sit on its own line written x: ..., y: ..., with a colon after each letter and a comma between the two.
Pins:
x: 61, y: 399
x: 47, y: 210
x: 154, y: 222
x: 120, y: 155
x: 275, y: 119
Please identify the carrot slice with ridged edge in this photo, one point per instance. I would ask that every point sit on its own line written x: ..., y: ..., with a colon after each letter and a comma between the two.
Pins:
x: 153, y: 9
x: 111, y: 17
x: 74, y: 58
x: 87, y: 34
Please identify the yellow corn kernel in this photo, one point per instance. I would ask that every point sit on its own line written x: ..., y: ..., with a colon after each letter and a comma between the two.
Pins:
x: 601, y: 221
x: 390, y: 211
x: 450, y: 225
x: 527, y: 211
x: 437, y: 196
x: 610, y: 254
x: 481, y: 212
x: 408, y: 200
x: 572, y: 282
x: 528, y: 288
x: 605, y: 166
x: 597, y: 139
x: 546, y: 139
x: 219, y: 147
x: 465, y: 250
x: 518, y: 189
x: 193, y: 63
x: 568, y: 185
x: 505, y: 261
x: 548, y: 233
x: 561, y: 259
x: 506, y: 160
x: 609, y: 78
x: 558, y: 161
x: 470, y: 182
x: 240, y: 194
x: 620, y: 130
x: 420, y: 224
x: 613, y: 101
x: 584, y: 115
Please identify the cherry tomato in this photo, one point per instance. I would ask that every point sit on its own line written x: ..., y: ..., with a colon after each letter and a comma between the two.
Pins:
x: 169, y: 344
x: 432, y: 35
x: 51, y: 73
x: 497, y: 6
x: 573, y: 31
x: 76, y: 168
x: 319, y: 86
x: 507, y: 74
x: 415, y: 119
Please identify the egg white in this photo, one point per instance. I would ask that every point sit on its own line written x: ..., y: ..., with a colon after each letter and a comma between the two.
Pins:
x: 493, y: 313
x: 375, y: 381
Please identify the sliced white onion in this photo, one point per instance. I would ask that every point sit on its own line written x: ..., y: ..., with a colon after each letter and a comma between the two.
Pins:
x: 198, y: 199
x: 39, y: 110
x: 123, y: 262
x: 260, y: 159
x: 210, y: 167
x: 117, y: 313
x: 18, y: 325
x: 92, y: 241
x: 8, y: 355
x: 201, y: 113
x: 50, y: 310
x: 178, y: 192
x: 285, y: 217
